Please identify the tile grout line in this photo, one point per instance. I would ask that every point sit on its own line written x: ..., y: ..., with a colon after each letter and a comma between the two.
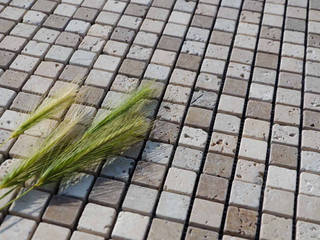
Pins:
x: 296, y: 193
x: 263, y: 186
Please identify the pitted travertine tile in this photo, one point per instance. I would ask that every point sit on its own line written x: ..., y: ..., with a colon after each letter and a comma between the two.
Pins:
x: 249, y: 171
x: 306, y: 208
x: 193, y: 137
x: 223, y: 143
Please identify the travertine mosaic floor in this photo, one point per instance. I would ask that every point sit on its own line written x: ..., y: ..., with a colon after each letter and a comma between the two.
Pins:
x: 235, y: 149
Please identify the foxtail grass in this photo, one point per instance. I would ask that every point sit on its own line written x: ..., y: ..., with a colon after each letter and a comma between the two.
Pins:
x: 69, y: 150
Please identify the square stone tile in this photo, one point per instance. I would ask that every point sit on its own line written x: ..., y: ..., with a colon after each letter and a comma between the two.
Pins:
x: 275, y: 227
x: 65, y: 10
x: 259, y: 110
x: 223, y: 143
x: 89, y: 222
x: 157, y: 72
x: 307, y: 230
x: 132, y: 68
x: 120, y: 168
x: 165, y: 132
x: 285, y: 134
x: 139, y: 53
x: 245, y: 195
x: 78, y: 26
x: 36, y: 49
x: 17, y: 227
x: 107, y: 18
x: 180, y: 181
x: 91, y: 96
x: 68, y: 39
x: 249, y: 171
x: 44, y: 230
x: 198, y: 118
x: 218, y: 165
x: 169, y: 43
x: 46, y: 35
x: 194, y: 233
x: 253, y: 149
x: 212, y: 188
x: 157, y: 152
x: 177, y: 94
x: 261, y: 92
x: 59, y: 54
x: 156, y: 13
x: 123, y: 35
x: 188, y: 62
x: 241, y: 221
x: 83, y: 58
x: 149, y: 174
x: 25, y: 102
x: 164, y: 229
x: 278, y: 202
x: 130, y: 225
x: 311, y: 101
x: 287, y: 115
x: 85, y: 14
x: 171, y: 112
x: 10, y: 120
x: 153, y: 26
x: 258, y: 129
x: 25, y: 63
x: 31, y: 205
x: 24, y: 146
x: 201, y: 217
x: 264, y: 75
x: 281, y: 178
x: 193, y: 137
x: 173, y: 206
x: 12, y: 13
x: 93, y: 44
x: 6, y: 97
x: 309, y: 184
x: 107, y: 192
x: 63, y: 211
x: 115, y: 6
x: 187, y: 158
x: 77, y: 235
x: 209, y: 82
x: 226, y: 123
x: 44, y: 6
x: 78, y: 186
x: 12, y: 43
x: 140, y: 200
x: 49, y: 69
x: 311, y: 120
x: 204, y: 99
x: 23, y: 30
x: 56, y: 22
x: 231, y: 104
x: 115, y: 48
x: 306, y: 208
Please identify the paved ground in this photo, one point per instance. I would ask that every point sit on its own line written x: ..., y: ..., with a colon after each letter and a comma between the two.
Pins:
x: 235, y: 148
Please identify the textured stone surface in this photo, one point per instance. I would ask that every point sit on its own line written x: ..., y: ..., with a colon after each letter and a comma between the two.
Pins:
x: 227, y: 111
